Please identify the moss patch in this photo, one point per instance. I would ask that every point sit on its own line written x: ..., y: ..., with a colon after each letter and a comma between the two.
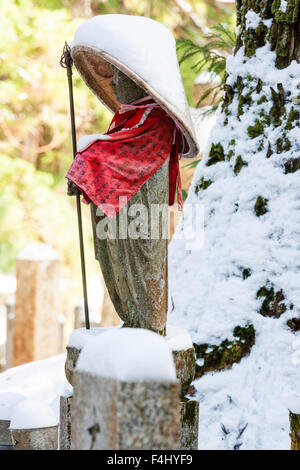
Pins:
x: 221, y: 357
x: 216, y: 154
x: 294, y: 324
x: 261, y: 206
x: 239, y: 163
x: 292, y: 165
x: 256, y: 130
x: 246, y: 272
x: 272, y: 305
x: 283, y: 144
x: 202, y: 185
x: 277, y: 110
x: 293, y: 116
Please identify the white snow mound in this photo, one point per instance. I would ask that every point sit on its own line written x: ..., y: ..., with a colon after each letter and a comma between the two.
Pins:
x: 80, y: 336
x: 128, y: 354
x: 178, y: 339
x: 32, y: 414
x: 8, y: 400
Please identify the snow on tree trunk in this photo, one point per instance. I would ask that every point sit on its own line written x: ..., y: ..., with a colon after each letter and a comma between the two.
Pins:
x: 239, y: 294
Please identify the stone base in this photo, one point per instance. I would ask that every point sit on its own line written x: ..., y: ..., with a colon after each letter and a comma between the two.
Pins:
x: 65, y: 423
x: 189, y: 424
x: 5, y: 436
x: 185, y: 365
x: 35, y: 439
x: 112, y: 415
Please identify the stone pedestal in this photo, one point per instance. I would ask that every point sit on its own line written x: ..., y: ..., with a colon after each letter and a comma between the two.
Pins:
x: 189, y: 424
x: 295, y: 431
x: 71, y: 361
x: 185, y: 364
x: 10, y: 308
x: 108, y: 414
x: 36, y: 327
x: 5, y: 436
x: 35, y: 439
x: 65, y: 423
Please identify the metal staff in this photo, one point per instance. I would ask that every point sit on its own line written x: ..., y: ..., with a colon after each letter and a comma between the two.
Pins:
x: 66, y: 61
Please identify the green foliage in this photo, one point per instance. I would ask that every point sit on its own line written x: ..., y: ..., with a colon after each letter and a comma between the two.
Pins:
x: 210, y: 56
x: 31, y: 211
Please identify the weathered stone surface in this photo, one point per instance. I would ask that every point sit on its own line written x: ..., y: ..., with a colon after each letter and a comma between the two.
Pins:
x: 112, y: 415
x: 189, y: 424
x: 5, y: 436
x: 35, y: 439
x: 185, y: 364
x: 36, y: 327
x: 109, y: 315
x: 71, y: 361
x: 295, y: 431
x: 65, y: 423
x: 135, y: 270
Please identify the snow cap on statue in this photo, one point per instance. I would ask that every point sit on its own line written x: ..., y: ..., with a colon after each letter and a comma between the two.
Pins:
x: 145, y: 51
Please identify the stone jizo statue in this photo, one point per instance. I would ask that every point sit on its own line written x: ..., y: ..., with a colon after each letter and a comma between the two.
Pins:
x: 126, y: 173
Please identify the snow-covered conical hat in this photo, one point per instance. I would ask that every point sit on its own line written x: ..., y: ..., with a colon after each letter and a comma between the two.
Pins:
x: 145, y: 51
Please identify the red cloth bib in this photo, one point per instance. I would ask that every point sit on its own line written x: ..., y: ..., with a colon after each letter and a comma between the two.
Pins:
x: 138, y: 142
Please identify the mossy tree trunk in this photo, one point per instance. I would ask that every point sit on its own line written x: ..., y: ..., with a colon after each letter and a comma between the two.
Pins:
x: 276, y: 25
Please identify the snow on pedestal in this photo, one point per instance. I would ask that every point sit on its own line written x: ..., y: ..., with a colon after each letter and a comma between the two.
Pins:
x: 8, y: 400
x: 36, y: 327
x: 77, y: 340
x: 125, y: 393
x: 34, y: 426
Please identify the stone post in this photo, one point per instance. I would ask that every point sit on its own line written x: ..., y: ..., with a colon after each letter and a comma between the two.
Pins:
x: 183, y: 352
x: 65, y: 407
x: 10, y: 307
x: 36, y: 326
x: 35, y: 439
x: 125, y: 393
x: 295, y: 431
x: 109, y: 414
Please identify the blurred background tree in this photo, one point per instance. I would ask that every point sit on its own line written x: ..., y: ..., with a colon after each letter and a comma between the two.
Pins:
x: 35, y: 138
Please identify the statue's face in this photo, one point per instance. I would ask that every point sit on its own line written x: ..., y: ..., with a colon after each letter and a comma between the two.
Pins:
x: 125, y: 90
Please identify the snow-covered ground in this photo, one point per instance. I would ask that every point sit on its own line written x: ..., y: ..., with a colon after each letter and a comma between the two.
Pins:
x: 43, y: 381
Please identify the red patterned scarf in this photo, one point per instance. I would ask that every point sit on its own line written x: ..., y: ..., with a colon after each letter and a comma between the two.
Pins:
x: 140, y: 138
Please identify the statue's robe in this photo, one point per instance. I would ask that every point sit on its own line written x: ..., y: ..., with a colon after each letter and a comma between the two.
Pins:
x: 137, y: 161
